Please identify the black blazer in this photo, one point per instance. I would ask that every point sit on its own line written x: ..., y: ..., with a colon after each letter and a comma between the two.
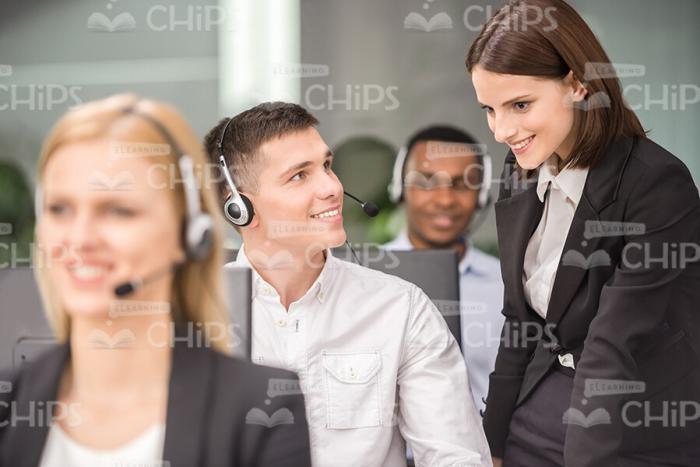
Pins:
x: 630, y: 319
x: 209, y: 397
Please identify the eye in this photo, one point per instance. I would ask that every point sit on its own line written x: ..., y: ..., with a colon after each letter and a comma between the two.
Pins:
x: 301, y: 175
x: 121, y: 211
x: 488, y: 109
x: 327, y: 165
x: 521, y: 106
x: 57, y: 209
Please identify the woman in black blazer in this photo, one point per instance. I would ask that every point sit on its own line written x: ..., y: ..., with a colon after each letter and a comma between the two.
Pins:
x: 599, y: 232
x: 130, y: 278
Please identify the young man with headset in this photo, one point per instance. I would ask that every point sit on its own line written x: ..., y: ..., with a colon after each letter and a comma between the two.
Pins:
x: 442, y: 178
x: 376, y: 360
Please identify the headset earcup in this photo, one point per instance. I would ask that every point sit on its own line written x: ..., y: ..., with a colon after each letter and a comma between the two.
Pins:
x: 239, y: 213
x: 249, y: 210
x: 395, y: 187
x: 485, y: 190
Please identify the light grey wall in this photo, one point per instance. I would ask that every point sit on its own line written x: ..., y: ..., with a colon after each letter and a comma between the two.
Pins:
x: 48, y: 44
x: 363, y: 43
x: 662, y: 36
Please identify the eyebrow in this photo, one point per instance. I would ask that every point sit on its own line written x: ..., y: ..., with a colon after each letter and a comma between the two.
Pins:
x: 510, y: 101
x: 304, y: 164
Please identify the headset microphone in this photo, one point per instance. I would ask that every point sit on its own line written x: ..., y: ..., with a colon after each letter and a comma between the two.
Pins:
x: 130, y: 287
x: 368, y: 207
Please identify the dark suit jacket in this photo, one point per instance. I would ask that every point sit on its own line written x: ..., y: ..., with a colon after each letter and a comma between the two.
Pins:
x: 632, y: 318
x: 209, y: 397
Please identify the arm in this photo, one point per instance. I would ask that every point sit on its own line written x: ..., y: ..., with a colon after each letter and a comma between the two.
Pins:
x: 513, y: 356
x: 437, y: 415
x: 633, y: 305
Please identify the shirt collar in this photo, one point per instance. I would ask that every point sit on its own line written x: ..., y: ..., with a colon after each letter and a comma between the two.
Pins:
x: 319, y: 289
x: 570, y: 181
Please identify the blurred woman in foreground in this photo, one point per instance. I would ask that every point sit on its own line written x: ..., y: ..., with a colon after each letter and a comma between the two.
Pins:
x: 132, y: 290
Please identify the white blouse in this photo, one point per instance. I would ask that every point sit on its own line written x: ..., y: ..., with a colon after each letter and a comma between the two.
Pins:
x: 545, y: 247
x: 62, y: 451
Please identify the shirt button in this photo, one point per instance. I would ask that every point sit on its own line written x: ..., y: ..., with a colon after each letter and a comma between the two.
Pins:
x: 321, y: 295
x: 281, y: 323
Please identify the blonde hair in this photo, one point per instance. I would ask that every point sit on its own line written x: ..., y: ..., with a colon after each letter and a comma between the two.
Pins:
x: 196, y: 293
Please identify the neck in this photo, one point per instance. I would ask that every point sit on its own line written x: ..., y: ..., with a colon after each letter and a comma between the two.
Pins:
x: 291, y: 273
x: 420, y: 243
x: 119, y: 359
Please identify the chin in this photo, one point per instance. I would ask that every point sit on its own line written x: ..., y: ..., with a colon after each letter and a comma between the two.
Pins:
x: 337, y: 239
x: 442, y: 242
x: 87, y: 307
x: 530, y: 163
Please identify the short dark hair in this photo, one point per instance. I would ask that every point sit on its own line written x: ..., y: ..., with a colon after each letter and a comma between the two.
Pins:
x: 550, y: 49
x: 248, y: 131
x: 444, y: 134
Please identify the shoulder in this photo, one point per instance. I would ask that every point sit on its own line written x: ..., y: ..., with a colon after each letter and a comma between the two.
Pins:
x: 360, y: 278
x: 654, y: 170
x: 400, y: 242
x: 44, y: 371
x: 237, y: 386
x: 651, y: 156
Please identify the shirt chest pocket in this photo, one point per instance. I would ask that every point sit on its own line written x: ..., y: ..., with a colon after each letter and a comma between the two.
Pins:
x: 352, y: 389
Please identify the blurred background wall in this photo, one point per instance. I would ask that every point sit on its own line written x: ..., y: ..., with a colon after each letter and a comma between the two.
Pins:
x: 371, y: 70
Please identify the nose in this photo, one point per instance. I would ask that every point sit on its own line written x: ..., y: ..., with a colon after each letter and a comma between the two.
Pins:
x: 503, y: 128
x: 82, y: 232
x: 329, y: 186
x: 444, y: 196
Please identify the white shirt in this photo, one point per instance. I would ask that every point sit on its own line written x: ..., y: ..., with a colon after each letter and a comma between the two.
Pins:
x: 61, y: 450
x: 377, y: 365
x: 545, y: 247
x: 481, y: 320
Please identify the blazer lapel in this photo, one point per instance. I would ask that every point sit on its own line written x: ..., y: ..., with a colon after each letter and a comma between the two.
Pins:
x: 188, y: 403
x: 516, y: 219
x: 581, y: 251
x: 37, y: 391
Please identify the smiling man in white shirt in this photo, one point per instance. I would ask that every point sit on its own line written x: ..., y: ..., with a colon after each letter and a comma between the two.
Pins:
x: 376, y: 360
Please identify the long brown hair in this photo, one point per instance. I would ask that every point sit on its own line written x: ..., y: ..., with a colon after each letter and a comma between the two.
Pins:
x: 547, y: 39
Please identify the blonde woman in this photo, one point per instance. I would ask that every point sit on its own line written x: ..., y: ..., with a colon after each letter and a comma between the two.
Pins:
x: 131, y: 287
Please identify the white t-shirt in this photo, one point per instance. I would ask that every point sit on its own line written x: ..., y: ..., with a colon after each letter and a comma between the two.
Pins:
x: 62, y: 451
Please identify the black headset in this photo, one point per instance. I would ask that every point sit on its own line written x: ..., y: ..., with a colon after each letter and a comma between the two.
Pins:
x: 238, y: 209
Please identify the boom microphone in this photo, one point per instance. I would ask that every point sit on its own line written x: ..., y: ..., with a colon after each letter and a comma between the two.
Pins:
x: 368, y: 207
x: 130, y: 287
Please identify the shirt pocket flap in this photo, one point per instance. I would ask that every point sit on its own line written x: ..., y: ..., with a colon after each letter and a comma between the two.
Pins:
x: 352, y: 367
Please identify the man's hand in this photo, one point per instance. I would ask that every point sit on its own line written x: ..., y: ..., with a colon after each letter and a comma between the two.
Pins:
x: 497, y: 461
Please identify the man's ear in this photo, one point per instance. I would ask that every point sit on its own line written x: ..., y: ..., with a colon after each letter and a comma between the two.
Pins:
x: 579, y: 91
